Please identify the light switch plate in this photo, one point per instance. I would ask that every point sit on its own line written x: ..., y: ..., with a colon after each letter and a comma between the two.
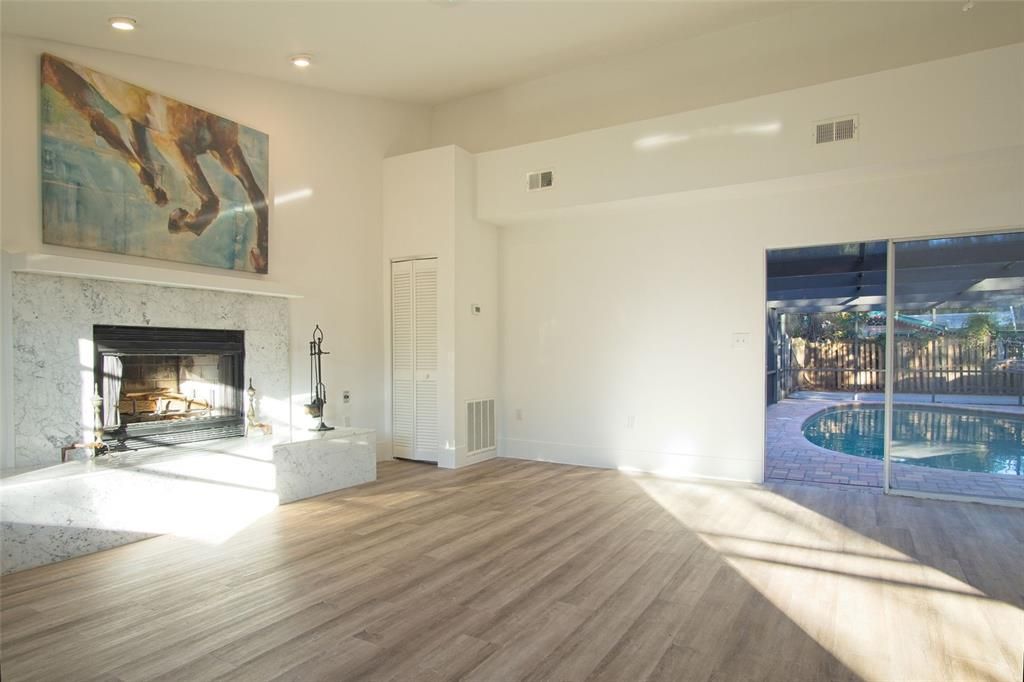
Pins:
x: 740, y: 340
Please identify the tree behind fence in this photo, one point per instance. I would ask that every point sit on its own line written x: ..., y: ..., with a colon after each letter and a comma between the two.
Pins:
x: 942, y: 365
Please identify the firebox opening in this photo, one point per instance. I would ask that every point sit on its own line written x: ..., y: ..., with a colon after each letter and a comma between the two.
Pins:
x: 162, y: 386
x: 170, y: 387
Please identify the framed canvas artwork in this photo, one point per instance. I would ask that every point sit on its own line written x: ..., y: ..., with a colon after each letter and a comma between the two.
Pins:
x: 129, y: 171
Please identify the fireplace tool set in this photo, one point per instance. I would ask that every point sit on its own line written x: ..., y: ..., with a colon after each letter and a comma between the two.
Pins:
x: 317, y: 388
x: 97, y: 446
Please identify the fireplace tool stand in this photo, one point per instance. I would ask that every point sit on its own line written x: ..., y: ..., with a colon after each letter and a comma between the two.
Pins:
x: 317, y: 388
x: 97, y: 446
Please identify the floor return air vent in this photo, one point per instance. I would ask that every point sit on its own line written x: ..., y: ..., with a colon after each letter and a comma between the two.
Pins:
x: 479, y: 425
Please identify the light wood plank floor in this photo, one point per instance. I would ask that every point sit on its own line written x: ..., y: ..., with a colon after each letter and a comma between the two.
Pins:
x: 519, y: 570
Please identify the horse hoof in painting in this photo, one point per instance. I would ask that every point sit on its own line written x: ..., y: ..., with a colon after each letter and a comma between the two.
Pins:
x: 157, y: 194
x: 180, y: 221
x: 259, y: 261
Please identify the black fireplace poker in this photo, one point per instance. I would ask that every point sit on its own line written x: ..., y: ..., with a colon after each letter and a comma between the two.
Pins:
x: 317, y: 388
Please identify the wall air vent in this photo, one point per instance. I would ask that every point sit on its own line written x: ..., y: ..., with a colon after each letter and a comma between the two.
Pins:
x: 539, y: 180
x: 836, y: 130
x: 480, y: 431
x: 846, y: 129
x: 826, y: 132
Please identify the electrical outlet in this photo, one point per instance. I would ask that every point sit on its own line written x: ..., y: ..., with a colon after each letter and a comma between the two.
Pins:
x: 519, y: 415
x: 345, y: 397
x: 631, y: 421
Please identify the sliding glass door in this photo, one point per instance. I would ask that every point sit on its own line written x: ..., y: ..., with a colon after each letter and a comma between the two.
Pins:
x: 955, y: 342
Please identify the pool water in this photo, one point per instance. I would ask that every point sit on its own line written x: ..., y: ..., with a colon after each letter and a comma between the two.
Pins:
x: 940, y: 437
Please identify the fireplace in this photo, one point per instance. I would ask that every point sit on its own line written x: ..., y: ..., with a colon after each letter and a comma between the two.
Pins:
x: 162, y: 386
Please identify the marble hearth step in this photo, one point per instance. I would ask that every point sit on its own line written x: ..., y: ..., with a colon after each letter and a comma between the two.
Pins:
x: 206, y: 491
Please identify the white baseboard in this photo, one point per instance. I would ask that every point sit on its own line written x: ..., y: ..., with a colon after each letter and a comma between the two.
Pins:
x: 458, y: 458
x: 668, y: 464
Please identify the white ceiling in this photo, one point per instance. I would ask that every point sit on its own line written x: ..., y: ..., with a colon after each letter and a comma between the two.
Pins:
x: 425, y: 51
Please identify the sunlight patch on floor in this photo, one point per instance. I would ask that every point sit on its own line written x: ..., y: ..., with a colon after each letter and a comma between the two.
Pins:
x: 859, y: 598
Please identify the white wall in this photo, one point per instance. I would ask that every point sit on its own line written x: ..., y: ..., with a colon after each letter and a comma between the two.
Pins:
x: 476, y: 282
x: 613, y: 302
x: 419, y: 221
x: 616, y: 303
x: 429, y: 210
x: 820, y: 43
x: 6, y: 349
x: 631, y: 312
x: 916, y: 114
x: 325, y: 247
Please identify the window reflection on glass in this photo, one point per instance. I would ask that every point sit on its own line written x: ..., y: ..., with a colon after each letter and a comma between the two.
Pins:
x: 958, y: 421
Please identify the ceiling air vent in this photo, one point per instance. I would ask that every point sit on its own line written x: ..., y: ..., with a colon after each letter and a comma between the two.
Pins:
x: 540, y: 180
x: 836, y: 130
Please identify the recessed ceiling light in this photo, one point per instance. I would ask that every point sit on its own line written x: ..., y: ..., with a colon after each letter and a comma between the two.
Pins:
x: 302, y: 60
x: 968, y: 6
x: 122, y: 23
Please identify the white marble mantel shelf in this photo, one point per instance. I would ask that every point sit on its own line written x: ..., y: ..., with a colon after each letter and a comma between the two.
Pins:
x: 88, y: 268
x: 206, y: 491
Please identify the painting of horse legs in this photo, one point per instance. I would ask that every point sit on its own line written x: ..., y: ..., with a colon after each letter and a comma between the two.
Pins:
x: 129, y: 171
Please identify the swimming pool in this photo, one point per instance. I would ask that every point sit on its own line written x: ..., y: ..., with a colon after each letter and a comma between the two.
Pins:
x: 939, y: 437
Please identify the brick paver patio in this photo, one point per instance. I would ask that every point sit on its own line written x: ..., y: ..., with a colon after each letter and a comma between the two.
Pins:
x: 791, y: 457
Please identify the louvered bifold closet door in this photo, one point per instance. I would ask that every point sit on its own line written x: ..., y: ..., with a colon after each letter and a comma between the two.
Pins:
x: 403, y: 392
x: 425, y: 316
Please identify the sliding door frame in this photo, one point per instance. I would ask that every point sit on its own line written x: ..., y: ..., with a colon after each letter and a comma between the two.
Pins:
x: 890, y: 357
x: 890, y: 372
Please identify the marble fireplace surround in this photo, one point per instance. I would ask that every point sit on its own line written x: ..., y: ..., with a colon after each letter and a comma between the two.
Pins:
x: 205, y: 491
x: 52, y: 319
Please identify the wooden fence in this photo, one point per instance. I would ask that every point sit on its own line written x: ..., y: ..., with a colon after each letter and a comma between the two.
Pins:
x: 935, y: 366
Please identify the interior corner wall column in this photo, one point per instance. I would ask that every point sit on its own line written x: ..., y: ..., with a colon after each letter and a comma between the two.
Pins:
x: 429, y: 212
